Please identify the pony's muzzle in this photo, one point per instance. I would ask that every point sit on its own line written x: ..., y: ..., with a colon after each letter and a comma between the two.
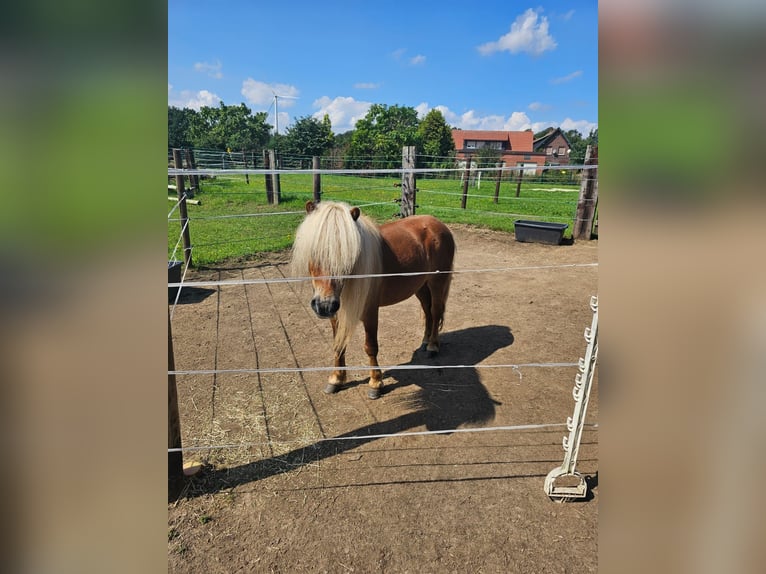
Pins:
x: 325, y: 308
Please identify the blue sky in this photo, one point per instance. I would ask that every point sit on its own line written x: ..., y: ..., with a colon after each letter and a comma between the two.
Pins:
x: 494, y: 65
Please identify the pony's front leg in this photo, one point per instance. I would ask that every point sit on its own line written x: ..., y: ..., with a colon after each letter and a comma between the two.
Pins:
x: 338, y: 376
x: 371, y: 348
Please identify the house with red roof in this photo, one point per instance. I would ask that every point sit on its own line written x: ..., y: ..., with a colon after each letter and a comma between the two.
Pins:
x: 556, y: 146
x: 516, y: 148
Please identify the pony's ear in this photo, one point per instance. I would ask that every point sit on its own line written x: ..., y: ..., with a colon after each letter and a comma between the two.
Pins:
x: 355, y: 213
x: 310, y: 206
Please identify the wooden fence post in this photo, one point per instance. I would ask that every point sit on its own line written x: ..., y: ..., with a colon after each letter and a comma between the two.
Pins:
x: 244, y: 159
x: 317, y: 180
x: 466, y: 177
x: 269, y: 187
x: 408, y: 182
x: 586, y: 204
x: 193, y: 179
x: 497, y: 180
x: 519, y: 177
x: 184, y: 215
x: 274, y: 160
x: 175, y: 459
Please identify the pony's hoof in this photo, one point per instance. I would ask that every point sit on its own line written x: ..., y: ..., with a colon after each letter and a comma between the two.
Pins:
x: 373, y: 394
x: 331, y: 389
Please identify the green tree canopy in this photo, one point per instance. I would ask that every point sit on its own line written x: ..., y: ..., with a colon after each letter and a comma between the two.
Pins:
x: 577, y: 155
x: 179, y: 121
x: 308, y: 137
x: 225, y: 127
x: 435, y: 138
x: 538, y: 135
x: 381, y: 134
x: 488, y: 157
x: 339, y: 150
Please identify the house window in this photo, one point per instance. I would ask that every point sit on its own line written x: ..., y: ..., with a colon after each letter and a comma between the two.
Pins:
x: 562, y: 150
x: 470, y: 144
x: 549, y: 150
x: 527, y: 157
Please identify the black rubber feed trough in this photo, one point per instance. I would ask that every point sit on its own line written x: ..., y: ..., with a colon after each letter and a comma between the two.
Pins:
x: 539, y: 231
x: 174, y: 276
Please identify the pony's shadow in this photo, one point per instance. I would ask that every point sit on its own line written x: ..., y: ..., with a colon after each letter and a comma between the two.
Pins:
x: 189, y: 295
x: 439, y: 399
x: 449, y: 397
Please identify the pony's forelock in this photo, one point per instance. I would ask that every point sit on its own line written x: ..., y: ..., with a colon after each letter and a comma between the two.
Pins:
x: 331, y: 239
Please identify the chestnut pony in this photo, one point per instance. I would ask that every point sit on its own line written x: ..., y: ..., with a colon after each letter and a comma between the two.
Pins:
x: 335, y: 241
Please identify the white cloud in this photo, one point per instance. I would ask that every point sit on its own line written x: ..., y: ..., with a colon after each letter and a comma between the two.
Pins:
x: 540, y: 126
x: 567, y: 78
x: 422, y: 109
x: 582, y: 126
x: 193, y: 100
x: 469, y: 120
x: 517, y: 121
x: 262, y: 94
x: 449, y: 116
x: 568, y: 15
x: 213, y: 70
x: 529, y: 33
x: 344, y: 112
x: 284, y: 121
x: 539, y: 107
x: 366, y: 86
x: 417, y: 60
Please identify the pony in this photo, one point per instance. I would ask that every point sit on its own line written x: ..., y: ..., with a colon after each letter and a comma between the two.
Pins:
x: 336, y: 242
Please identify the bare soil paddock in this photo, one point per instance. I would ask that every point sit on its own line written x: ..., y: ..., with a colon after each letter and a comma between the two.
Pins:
x: 459, y: 502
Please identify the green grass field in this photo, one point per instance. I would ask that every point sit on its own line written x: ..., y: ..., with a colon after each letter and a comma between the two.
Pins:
x: 234, y: 220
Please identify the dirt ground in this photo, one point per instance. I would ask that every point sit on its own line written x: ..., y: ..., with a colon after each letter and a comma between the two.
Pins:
x: 279, y: 500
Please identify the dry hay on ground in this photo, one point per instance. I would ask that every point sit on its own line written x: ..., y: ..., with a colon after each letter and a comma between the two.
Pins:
x: 460, y: 502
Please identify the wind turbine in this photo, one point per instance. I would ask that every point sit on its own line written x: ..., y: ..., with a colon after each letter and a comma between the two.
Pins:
x: 276, y: 109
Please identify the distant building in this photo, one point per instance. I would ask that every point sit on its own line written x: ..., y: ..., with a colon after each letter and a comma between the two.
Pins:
x: 516, y: 148
x: 556, y: 147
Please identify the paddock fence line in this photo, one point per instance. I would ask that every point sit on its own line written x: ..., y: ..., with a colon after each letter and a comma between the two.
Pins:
x: 558, y: 201
x: 588, y: 197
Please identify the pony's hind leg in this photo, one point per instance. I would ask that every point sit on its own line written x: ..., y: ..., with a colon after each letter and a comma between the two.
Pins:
x: 439, y: 289
x: 424, y: 296
x: 371, y: 348
x: 338, y: 376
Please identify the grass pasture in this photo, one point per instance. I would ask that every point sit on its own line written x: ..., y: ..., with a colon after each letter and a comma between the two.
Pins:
x: 234, y: 220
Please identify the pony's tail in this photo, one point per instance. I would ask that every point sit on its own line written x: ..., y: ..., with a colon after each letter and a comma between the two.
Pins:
x: 445, y: 295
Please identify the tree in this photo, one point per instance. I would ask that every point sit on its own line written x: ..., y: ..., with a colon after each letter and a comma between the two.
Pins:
x: 435, y: 138
x: 577, y: 155
x: 488, y: 157
x: 308, y: 137
x: 538, y: 135
x: 229, y: 127
x: 339, y: 150
x: 381, y: 134
x: 179, y: 122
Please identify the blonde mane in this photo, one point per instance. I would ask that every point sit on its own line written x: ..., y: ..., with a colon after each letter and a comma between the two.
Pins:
x: 330, y: 238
